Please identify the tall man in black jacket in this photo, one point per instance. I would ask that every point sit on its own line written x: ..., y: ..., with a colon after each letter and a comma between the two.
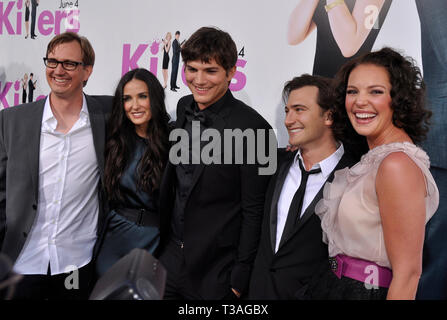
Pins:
x: 176, y: 48
x: 291, y: 247
x: 211, y: 211
x: 34, y: 4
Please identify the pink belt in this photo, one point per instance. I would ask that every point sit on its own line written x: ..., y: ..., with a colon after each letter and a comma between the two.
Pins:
x: 361, y: 270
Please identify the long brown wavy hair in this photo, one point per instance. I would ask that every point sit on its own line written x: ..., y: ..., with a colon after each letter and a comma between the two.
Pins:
x: 121, y: 139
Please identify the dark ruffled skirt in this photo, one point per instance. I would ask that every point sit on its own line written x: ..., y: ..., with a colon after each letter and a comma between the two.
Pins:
x: 325, y: 285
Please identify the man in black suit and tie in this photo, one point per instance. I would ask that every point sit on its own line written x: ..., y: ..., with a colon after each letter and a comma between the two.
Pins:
x: 51, y: 163
x: 34, y: 4
x: 291, y: 246
x: 211, y: 213
x: 31, y: 87
x: 176, y: 48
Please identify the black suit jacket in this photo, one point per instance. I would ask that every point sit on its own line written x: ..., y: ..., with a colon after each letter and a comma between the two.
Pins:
x: 175, y: 51
x: 286, y: 273
x: 223, y: 213
x: 20, y: 130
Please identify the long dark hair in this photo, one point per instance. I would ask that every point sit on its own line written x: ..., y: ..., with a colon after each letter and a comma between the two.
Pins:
x: 121, y: 138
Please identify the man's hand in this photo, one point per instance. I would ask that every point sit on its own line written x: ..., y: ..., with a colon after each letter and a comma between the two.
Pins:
x: 236, y: 292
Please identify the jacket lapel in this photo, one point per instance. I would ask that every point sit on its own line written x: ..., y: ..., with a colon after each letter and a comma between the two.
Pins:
x: 33, y: 133
x: 345, y: 161
x: 282, y: 174
x: 97, y: 120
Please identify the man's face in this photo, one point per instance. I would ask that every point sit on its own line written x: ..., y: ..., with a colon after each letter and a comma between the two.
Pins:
x: 64, y: 83
x: 305, y: 121
x: 208, y: 82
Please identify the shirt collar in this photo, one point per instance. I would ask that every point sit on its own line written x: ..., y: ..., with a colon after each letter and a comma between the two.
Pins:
x: 49, y: 121
x: 216, y: 106
x: 327, y: 165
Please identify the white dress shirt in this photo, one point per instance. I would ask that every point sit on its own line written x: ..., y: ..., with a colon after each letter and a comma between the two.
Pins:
x: 64, y: 231
x: 314, y: 184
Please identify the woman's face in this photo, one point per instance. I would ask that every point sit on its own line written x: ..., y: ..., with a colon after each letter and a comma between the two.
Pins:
x: 368, y: 101
x: 137, y: 105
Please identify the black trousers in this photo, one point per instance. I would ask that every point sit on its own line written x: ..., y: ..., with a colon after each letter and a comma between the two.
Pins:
x: 178, y: 284
x: 56, y: 287
x: 33, y: 21
x: 174, y: 72
x: 30, y: 96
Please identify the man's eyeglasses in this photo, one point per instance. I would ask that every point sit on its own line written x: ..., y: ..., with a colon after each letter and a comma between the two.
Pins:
x: 67, y: 65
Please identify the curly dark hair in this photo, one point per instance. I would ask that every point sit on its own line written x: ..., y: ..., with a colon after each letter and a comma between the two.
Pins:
x: 121, y: 139
x: 407, y: 95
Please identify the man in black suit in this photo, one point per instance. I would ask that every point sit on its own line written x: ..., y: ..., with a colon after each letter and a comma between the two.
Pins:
x: 51, y: 164
x: 175, y: 61
x: 291, y: 247
x: 31, y: 87
x: 211, y: 213
x: 34, y: 4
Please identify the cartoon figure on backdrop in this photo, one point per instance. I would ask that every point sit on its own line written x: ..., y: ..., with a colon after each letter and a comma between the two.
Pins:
x: 433, y: 18
x: 345, y: 29
x: 135, y: 156
x: 27, y: 3
x: 211, y: 213
x: 373, y: 215
x: 31, y: 87
x: 291, y: 246
x: 34, y: 4
x: 176, y: 47
x: 51, y: 208
x: 24, y: 85
x: 165, y: 64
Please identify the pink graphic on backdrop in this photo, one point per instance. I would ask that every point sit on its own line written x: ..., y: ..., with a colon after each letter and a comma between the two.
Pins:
x: 153, y: 66
x: 72, y: 21
x: 19, y: 17
x: 4, y: 17
x: 241, y: 78
x: 131, y: 62
x: 155, y: 47
x: 3, y: 93
x: 16, y: 95
x: 47, y: 22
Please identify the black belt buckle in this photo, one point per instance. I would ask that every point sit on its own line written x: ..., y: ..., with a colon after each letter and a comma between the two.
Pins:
x: 333, y: 264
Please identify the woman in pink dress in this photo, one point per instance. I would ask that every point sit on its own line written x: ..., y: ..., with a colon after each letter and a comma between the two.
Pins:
x: 373, y: 215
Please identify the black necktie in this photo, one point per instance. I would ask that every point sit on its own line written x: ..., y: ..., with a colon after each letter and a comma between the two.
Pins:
x: 298, y: 198
x: 293, y: 216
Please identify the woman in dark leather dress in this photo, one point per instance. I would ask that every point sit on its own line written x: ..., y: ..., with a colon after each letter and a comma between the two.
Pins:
x: 135, y: 155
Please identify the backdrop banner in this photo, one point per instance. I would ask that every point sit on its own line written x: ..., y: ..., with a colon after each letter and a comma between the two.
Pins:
x: 128, y: 34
